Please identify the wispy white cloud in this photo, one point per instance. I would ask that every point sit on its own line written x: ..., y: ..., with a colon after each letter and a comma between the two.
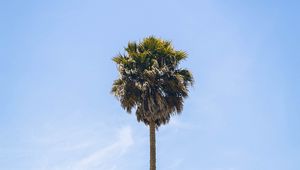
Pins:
x: 179, y: 124
x: 105, y: 158
x: 84, y: 155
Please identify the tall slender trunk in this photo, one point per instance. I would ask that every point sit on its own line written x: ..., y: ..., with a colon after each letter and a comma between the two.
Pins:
x: 152, y: 146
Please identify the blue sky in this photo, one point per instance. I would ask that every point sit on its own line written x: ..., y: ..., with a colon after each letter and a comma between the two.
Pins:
x: 56, y: 112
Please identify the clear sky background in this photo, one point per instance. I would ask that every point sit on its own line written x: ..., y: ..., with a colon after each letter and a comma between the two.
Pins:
x: 57, y: 113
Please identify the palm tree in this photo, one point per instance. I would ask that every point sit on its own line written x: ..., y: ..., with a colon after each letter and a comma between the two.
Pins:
x: 151, y: 84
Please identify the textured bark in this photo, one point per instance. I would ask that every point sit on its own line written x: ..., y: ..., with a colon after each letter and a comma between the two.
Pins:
x: 152, y: 146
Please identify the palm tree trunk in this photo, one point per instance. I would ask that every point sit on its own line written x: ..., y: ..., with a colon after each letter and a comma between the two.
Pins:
x: 152, y: 146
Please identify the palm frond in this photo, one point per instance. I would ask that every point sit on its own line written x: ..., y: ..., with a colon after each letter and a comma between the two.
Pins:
x: 150, y: 80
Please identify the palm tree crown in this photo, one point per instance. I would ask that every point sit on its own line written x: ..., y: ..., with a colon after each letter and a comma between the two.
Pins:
x: 150, y: 81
